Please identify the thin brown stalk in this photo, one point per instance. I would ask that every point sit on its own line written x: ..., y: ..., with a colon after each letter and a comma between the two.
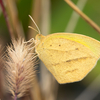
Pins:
x: 6, y: 19
x: 19, y: 69
x: 35, y: 92
x: 85, y: 17
x: 1, y: 77
x: 75, y: 16
x: 48, y: 83
x: 36, y: 9
x: 13, y: 16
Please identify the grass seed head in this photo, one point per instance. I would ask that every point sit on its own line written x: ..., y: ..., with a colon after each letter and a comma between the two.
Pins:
x: 19, y: 68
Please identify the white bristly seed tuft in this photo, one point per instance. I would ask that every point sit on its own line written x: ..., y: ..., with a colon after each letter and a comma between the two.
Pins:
x: 19, y: 68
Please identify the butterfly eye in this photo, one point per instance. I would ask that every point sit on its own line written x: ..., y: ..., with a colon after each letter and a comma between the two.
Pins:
x: 38, y: 37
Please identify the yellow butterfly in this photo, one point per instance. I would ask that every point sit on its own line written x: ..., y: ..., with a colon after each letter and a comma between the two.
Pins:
x: 68, y: 56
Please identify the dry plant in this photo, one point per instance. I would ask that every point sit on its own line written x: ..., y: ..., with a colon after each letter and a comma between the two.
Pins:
x: 85, y: 17
x: 36, y: 14
x: 19, y: 71
x: 1, y: 67
x: 6, y: 18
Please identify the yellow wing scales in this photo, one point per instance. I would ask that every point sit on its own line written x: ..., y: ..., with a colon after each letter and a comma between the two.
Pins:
x: 69, y: 57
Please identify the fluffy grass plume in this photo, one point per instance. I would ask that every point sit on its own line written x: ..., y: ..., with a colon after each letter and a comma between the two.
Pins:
x: 19, y: 68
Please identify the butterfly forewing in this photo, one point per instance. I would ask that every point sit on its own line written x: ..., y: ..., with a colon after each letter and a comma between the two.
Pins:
x: 69, y: 57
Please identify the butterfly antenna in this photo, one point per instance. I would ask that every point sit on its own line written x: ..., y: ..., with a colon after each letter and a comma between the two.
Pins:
x: 33, y: 29
x: 35, y: 25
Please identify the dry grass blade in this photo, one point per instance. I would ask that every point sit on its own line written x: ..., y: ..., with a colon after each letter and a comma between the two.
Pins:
x: 19, y: 71
x: 6, y: 18
x: 13, y: 17
x: 1, y: 77
x: 36, y: 9
x: 85, y: 17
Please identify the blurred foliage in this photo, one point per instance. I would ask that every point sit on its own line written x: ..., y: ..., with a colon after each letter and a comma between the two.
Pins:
x: 24, y: 9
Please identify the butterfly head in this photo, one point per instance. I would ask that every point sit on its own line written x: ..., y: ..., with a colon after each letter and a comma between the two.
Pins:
x: 39, y: 37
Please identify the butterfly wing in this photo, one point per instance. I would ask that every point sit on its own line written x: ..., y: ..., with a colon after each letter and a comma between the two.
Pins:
x: 69, y: 57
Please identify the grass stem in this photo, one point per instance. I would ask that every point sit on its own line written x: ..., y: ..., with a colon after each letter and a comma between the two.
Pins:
x: 85, y: 17
x: 6, y: 19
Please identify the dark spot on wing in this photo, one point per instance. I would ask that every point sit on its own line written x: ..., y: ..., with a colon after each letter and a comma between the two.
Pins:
x: 50, y: 45
x: 76, y: 48
x: 77, y: 59
x: 71, y: 60
x: 70, y: 71
x: 59, y: 45
x: 68, y: 60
